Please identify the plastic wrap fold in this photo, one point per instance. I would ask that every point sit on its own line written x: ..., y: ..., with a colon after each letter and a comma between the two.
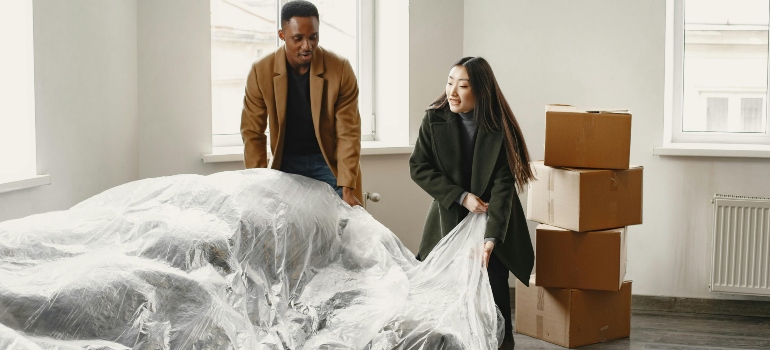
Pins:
x: 253, y: 259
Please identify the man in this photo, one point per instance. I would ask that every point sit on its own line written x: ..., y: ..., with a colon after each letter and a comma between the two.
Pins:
x: 310, y: 97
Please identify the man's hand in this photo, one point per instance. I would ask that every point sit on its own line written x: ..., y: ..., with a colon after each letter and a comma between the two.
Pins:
x: 474, y: 204
x: 488, y: 247
x: 348, y: 197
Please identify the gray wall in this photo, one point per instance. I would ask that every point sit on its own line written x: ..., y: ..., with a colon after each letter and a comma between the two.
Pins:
x: 610, y: 53
x: 175, y: 105
x: 123, y: 92
x: 85, y: 101
x: 174, y: 57
x: 435, y: 42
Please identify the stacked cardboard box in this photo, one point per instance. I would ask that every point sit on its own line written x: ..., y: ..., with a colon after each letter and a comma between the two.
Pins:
x: 573, y: 317
x: 584, y: 197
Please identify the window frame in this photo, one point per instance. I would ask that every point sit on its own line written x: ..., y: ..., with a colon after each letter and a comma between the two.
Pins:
x: 674, y: 91
x: 365, y: 75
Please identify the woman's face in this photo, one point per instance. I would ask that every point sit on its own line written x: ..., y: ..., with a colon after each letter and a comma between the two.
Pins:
x: 458, y: 91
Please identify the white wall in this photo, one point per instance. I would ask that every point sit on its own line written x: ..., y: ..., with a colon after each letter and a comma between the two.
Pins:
x: 404, y: 205
x: 174, y: 53
x: 435, y: 42
x: 610, y: 53
x: 85, y: 101
x: 123, y: 92
x: 175, y: 108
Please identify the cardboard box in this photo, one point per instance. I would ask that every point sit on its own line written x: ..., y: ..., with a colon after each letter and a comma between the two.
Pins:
x: 585, y: 199
x: 573, y: 317
x: 576, y: 138
x: 580, y: 260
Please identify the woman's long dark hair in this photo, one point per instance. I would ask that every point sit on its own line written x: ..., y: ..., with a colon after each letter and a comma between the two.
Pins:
x: 493, y: 111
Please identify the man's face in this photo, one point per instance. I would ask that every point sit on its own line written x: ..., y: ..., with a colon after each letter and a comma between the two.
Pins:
x: 301, y: 37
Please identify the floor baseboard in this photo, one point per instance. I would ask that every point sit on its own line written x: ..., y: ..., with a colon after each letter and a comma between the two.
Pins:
x: 759, y: 308
x: 756, y: 308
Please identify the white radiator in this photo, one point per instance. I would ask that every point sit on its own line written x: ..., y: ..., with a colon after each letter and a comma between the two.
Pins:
x: 741, y: 245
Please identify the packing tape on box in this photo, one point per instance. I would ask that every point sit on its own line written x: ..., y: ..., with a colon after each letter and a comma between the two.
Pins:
x: 550, y: 180
x: 615, y: 178
x: 603, y: 334
x: 624, y: 255
x: 585, y: 140
x: 623, y: 179
x: 539, y: 326
x: 614, y: 181
x: 589, y: 127
x: 540, y: 307
x: 550, y: 195
x: 541, y: 299
x: 550, y: 210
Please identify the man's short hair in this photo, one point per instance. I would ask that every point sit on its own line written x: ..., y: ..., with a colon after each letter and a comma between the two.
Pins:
x: 298, y: 8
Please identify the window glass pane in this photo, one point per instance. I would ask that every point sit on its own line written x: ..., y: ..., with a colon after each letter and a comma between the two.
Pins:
x: 725, y: 56
x: 716, y: 114
x: 241, y: 32
x: 339, y: 27
x: 17, y: 92
x: 339, y: 32
x: 751, y: 114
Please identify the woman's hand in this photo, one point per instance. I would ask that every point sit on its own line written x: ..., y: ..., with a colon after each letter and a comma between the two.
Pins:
x: 474, y: 204
x: 488, y: 247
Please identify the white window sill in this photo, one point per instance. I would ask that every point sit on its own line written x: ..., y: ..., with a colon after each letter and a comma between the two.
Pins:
x: 224, y: 155
x: 26, y: 182
x: 713, y: 150
x: 368, y: 148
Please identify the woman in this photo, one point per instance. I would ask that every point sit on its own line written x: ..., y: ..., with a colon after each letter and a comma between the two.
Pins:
x: 469, y: 156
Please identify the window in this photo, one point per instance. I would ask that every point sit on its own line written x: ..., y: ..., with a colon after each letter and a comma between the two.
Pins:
x: 244, y: 30
x: 17, y: 102
x: 720, y: 71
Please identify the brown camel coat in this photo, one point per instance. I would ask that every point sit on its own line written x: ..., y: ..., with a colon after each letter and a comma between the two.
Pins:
x: 334, y: 107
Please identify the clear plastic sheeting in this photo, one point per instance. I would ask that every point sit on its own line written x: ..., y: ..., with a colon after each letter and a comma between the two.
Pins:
x: 253, y: 259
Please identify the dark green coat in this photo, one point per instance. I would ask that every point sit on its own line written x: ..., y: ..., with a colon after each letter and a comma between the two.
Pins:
x: 435, y: 166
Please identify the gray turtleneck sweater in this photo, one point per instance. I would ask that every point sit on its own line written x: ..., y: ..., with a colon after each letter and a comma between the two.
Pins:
x: 468, y: 139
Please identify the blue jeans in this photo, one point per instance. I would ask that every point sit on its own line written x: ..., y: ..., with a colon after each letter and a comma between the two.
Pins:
x: 310, y: 165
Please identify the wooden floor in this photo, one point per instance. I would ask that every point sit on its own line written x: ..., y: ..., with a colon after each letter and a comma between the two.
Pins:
x: 676, y: 331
